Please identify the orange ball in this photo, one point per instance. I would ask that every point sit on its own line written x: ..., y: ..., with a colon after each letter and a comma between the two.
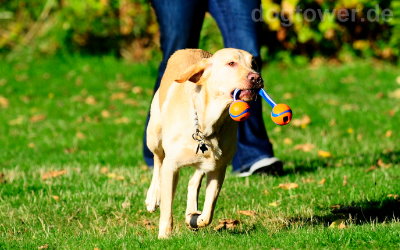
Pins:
x: 281, y: 114
x: 239, y: 111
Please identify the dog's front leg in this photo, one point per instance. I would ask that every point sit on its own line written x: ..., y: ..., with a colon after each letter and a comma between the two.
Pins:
x: 169, y: 180
x: 215, y: 180
x: 193, y: 194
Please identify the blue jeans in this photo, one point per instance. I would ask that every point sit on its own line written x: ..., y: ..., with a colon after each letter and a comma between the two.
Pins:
x: 180, y: 23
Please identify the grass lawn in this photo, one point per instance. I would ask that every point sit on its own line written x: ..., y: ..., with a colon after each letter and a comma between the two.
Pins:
x: 72, y: 176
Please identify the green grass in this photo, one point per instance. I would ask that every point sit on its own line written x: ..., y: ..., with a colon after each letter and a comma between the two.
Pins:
x: 62, y: 115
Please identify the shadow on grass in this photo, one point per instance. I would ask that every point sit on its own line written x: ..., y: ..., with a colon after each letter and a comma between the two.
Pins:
x: 358, y: 213
x: 300, y: 166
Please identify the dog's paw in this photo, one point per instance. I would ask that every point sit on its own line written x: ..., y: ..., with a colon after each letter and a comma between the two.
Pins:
x: 191, y: 220
x: 152, y: 201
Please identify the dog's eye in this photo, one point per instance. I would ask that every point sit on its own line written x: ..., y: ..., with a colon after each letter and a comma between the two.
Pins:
x: 231, y: 64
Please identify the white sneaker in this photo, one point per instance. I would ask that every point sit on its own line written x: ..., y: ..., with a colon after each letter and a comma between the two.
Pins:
x: 266, y: 165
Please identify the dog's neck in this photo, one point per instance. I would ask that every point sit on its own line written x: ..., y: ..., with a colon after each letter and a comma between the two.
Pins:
x: 212, y: 111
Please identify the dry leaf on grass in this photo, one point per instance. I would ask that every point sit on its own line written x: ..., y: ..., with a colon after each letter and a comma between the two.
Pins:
x: 90, y: 100
x: 17, y: 121
x: 394, y: 196
x: 335, y: 207
x: 53, y: 174
x: 287, y: 141
x: 324, y: 154
x: 122, y: 120
x: 37, y: 118
x: 3, y: 102
x: 372, y: 168
x: 31, y: 145
x: 148, y: 224
x: 80, y: 135
x: 395, y: 94
x: 322, y: 181
x: 288, y: 186
x: 118, y: 96
x: 105, y: 113
x: 338, y: 224
x: 247, y: 212
x: 103, y: 170
x: 2, y: 178
x: 344, y: 180
x: 131, y: 102
x: 114, y: 176
x: 45, y: 246
x: 274, y: 204
x: 125, y: 204
x: 226, y: 224
x: 381, y: 164
x: 389, y: 133
x: 55, y: 197
x: 302, y: 122
x: 137, y: 90
x: 304, y: 147
x: 307, y: 180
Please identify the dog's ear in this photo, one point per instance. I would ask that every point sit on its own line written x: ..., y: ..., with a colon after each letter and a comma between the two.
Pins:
x: 194, y: 73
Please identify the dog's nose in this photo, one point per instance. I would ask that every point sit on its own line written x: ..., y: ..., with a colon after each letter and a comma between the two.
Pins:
x: 255, y: 79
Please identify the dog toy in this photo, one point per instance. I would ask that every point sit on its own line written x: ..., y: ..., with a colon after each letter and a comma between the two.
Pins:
x: 239, y: 110
x: 281, y: 114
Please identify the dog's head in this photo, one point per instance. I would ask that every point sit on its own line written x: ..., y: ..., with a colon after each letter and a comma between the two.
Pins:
x: 225, y: 71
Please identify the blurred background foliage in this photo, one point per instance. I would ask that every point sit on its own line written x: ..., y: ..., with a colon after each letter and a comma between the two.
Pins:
x: 128, y: 28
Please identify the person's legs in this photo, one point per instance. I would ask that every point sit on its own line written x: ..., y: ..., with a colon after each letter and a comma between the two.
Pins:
x: 180, y: 23
x: 234, y: 18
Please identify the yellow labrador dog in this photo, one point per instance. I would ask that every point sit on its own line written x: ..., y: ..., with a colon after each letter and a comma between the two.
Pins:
x: 190, y: 126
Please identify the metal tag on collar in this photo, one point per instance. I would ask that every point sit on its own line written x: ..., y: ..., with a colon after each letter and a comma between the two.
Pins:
x: 202, y: 146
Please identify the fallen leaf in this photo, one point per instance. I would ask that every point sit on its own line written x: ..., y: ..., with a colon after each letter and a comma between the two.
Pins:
x: 55, y: 197
x: 287, y: 96
x: 322, y: 181
x: 304, y: 147
x: 381, y: 164
x: 380, y: 95
x: 31, y: 145
x: 308, y: 180
x: 2, y: 178
x: 332, y: 123
x: 274, y: 204
x: 3, y: 102
x: 53, y: 174
x: 288, y: 186
x: 103, y: 170
x: 45, y: 246
x: 338, y: 224
x: 226, y: 224
x: 124, y: 85
x: 137, y: 90
x: 335, y: 207
x: 302, y: 122
x: 37, y: 118
x: 118, y: 96
x: 70, y: 150
x: 148, y: 224
x: 114, y: 176
x: 372, y: 168
x: 324, y: 154
x: 287, y: 141
x: 395, y: 94
x: 389, y: 133
x: 247, y: 212
x: 344, y: 180
x: 394, y: 196
x: 105, y: 114
x: 332, y: 102
x: 122, y: 120
x: 131, y: 102
x: 90, y: 100
x: 392, y: 112
x: 125, y: 204
x: 80, y: 135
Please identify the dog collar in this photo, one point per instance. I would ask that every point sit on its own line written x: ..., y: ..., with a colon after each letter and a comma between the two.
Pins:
x: 198, y: 136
